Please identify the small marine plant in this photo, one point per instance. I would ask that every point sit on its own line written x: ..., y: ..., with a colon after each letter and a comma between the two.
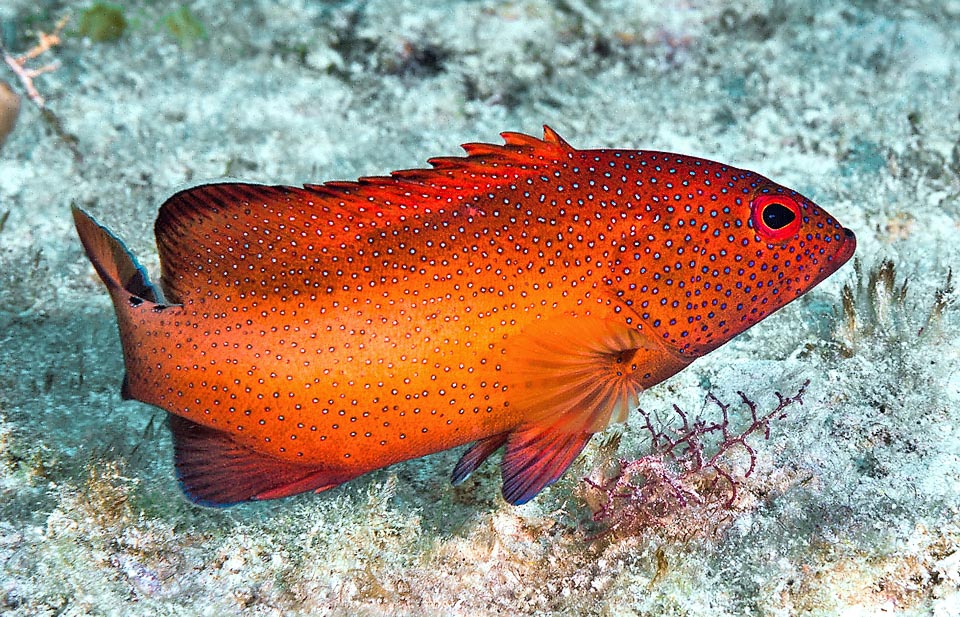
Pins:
x: 102, y: 22
x: 24, y: 66
x: 183, y: 26
x: 693, y: 462
x: 875, y: 309
x: 8, y: 461
x: 893, y: 368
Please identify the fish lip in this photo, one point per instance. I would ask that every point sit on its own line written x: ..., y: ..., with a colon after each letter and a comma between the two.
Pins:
x: 847, y: 247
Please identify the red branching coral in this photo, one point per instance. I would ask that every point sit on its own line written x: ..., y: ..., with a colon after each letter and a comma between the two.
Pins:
x: 690, y: 463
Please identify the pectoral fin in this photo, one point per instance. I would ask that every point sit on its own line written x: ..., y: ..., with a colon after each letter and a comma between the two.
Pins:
x: 569, y: 378
x: 579, y: 374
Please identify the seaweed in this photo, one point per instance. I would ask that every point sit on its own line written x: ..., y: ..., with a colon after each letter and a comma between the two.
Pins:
x: 692, y: 462
x: 184, y: 26
x: 875, y: 308
x: 102, y: 22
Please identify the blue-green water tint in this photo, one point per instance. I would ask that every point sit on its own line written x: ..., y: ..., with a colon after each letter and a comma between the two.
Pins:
x: 851, y: 508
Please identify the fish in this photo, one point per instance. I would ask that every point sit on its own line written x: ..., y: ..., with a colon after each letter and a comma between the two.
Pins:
x: 519, y: 297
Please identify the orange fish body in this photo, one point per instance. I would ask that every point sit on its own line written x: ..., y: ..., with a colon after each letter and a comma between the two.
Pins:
x: 522, y: 295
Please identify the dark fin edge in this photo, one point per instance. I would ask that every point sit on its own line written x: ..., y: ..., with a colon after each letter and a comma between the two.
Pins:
x: 114, y: 263
x: 535, y: 459
x: 215, y: 471
x: 474, y: 457
x: 190, y: 218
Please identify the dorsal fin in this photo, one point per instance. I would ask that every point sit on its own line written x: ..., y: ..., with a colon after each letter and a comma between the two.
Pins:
x: 449, y: 179
x: 204, y: 233
x: 551, y: 136
x: 208, y: 235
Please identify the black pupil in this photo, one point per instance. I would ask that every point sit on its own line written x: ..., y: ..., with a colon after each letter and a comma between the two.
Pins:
x: 777, y: 216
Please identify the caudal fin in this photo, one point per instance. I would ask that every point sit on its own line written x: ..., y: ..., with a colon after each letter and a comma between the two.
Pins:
x: 129, y: 287
x: 115, y: 264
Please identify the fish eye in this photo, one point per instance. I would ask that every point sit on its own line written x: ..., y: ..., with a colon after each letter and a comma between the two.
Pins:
x: 775, y: 217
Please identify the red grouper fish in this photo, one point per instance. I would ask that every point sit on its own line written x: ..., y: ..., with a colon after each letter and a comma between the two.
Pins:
x: 521, y: 296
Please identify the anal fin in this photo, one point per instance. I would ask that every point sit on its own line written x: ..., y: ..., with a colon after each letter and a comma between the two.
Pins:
x: 214, y: 470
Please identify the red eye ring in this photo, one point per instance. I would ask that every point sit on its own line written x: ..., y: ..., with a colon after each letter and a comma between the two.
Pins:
x: 775, y: 217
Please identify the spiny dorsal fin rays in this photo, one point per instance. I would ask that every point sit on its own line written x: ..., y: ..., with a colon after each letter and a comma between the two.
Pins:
x: 450, y: 180
x: 551, y: 136
x: 522, y: 140
x: 205, y: 231
x: 519, y: 151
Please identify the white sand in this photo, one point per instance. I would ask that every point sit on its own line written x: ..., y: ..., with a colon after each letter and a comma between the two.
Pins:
x: 853, y: 508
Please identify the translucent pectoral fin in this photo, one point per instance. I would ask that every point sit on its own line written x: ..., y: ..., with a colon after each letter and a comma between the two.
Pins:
x: 579, y: 374
x: 568, y: 378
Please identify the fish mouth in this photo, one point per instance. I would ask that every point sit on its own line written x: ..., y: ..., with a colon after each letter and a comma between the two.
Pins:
x: 847, y: 247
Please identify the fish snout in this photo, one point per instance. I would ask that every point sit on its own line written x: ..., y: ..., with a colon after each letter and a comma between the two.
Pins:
x: 848, y: 246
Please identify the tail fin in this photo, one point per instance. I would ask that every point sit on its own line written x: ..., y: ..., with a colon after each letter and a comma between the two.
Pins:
x: 130, y: 289
x: 117, y: 268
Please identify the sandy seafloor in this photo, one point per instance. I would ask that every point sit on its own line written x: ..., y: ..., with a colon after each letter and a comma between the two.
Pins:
x: 854, y: 508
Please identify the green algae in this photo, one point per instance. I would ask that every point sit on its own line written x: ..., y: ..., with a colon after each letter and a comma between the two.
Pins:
x: 184, y: 26
x: 102, y: 22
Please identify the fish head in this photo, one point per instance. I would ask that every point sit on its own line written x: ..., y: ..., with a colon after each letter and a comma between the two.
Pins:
x: 727, y: 257
x: 794, y: 234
